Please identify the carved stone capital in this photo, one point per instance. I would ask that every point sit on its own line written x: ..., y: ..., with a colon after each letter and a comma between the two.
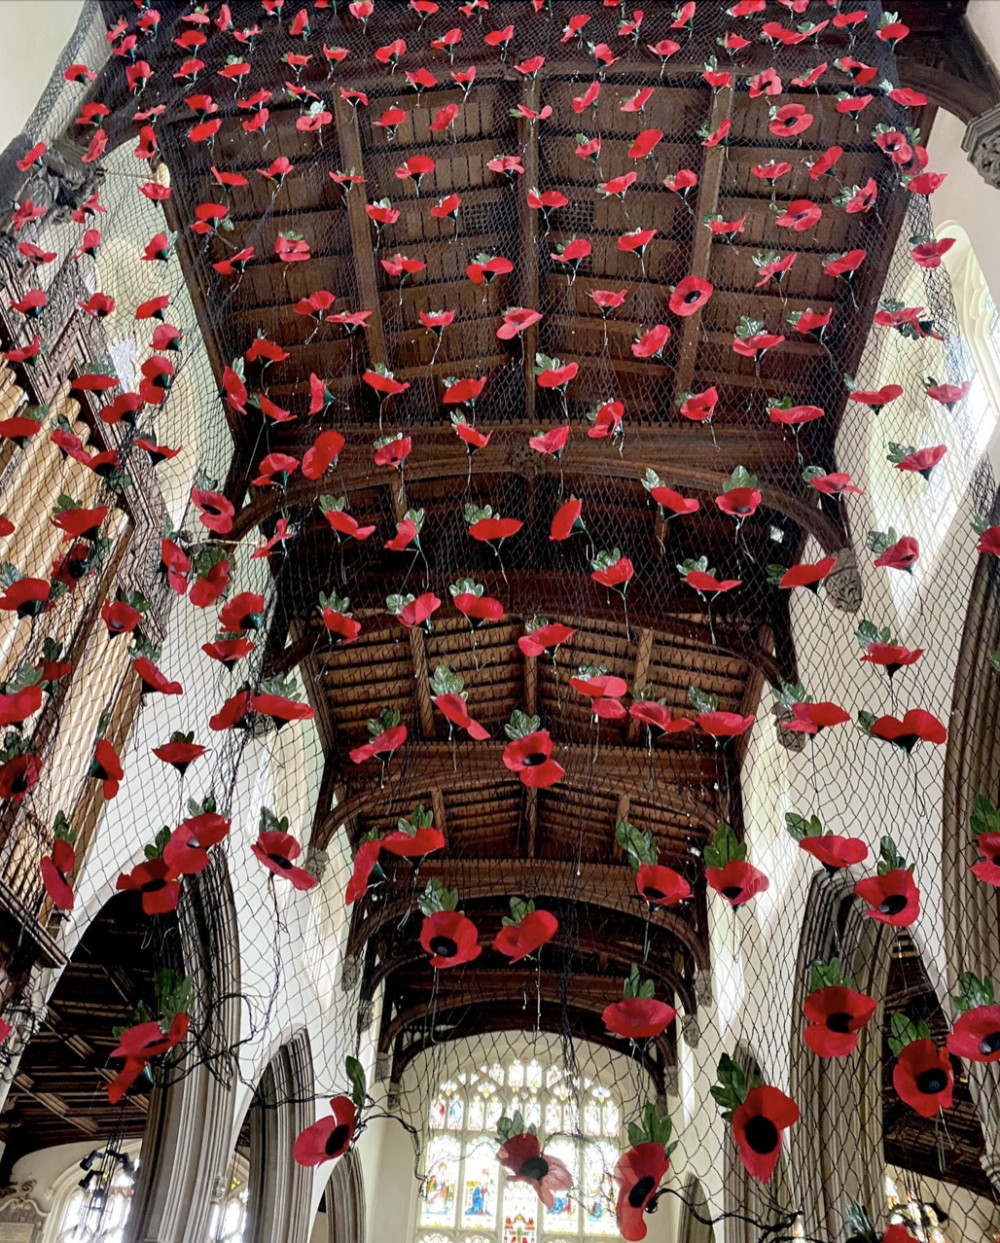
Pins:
x: 671, y: 1086
x: 990, y: 1161
x: 843, y: 585
x: 691, y: 1030
x: 790, y: 739
x: 703, y: 992
x: 383, y: 1066
x: 982, y: 143
x: 351, y: 973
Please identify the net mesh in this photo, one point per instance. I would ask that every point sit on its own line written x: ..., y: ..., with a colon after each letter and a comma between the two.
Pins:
x: 261, y: 372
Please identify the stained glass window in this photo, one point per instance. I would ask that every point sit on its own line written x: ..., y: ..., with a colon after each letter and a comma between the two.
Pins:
x: 467, y: 1196
x: 85, y: 1218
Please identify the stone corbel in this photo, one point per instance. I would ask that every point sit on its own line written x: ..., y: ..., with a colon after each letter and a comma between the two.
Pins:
x: 982, y: 145
x: 843, y: 584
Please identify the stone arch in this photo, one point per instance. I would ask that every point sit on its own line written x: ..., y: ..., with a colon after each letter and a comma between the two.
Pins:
x: 694, y: 1226
x: 837, y: 1153
x: 281, y: 1190
x: 190, y: 1124
x: 344, y: 1198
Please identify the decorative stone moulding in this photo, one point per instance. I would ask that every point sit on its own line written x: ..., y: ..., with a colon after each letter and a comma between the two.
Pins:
x: 982, y: 144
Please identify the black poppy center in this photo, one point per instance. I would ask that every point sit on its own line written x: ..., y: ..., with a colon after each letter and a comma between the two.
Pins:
x: 338, y: 1138
x: 641, y: 1191
x: 894, y: 904
x: 762, y: 1134
x: 443, y: 947
x: 931, y: 1082
x: 653, y: 894
x: 20, y: 784
x: 534, y: 1167
x: 691, y: 298
x: 732, y: 892
x: 154, y: 886
x: 535, y: 759
x: 281, y: 861
x: 839, y: 1022
x: 990, y: 1043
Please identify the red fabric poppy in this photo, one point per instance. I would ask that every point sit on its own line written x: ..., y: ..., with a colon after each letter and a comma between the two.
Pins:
x: 988, y: 849
x: 668, y: 499
x: 153, y: 680
x: 523, y: 1159
x: 187, y: 851
x: 757, y: 1127
x: 795, y: 416
x: 531, y: 758
x: 638, y: 1175
x: 454, y: 709
x: 700, y: 407
x: 834, y: 484
x: 661, y: 886
x: 808, y: 575
x: 877, y: 399
x: 425, y: 841
x: 340, y: 624
x: 835, y: 1015
x: 215, y: 510
x: 566, y: 519
x: 605, y: 692
x: 106, y: 767
x: 638, y: 1018
x: 690, y: 295
x: 923, y: 461
x: 891, y: 656
x: 900, y: 556
x: 739, y: 503
x: 800, y: 215
x: 812, y: 718
x: 282, y: 710
x: 835, y: 851
x: 657, y: 719
x: 737, y: 882
x: 156, y: 882
x: 916, y: 726
x: 277, y: 851
x: 365, y: 862
x: 179, y: 755
x: 615, y: 575
x: 450, y: 938
x: 55, y: 868
x: 923, y: 1077
x: 383, y: 746
x: 19, y: 776
x: 329, y: 1137
x: 16, y: 707
x: 552, y: 634
x: 705, y: 583
x: 724, y: 724
x: 893, y: 898
x: 517, y: 941
x: 976, y: 1035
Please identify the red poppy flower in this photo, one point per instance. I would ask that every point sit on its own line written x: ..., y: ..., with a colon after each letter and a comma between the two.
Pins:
x: 616, y: 575
x: 80, y: 523
x: 450, y: 938
x: 277, y: 851
x: 893, y: 898
x: 16, y: 707
x: 329, y: 1137
x: 900, y: 556
x: 156, y: 882
x: 566, y: 519
x: 383, y: 746
x: 657, y: 719
x: 106, y: 767
x: 739, y: 503
x: 365, y: 862
x: 876, y: 399
x: 705, y: 583
x: 737, y: 882
x: 424, y: 841
x: 929, y: 254
x: 891, y: 656
x: 661, y: 886
x: 419, y: 611
x: 341, y: 624
x: 638, y: 1018
x: 19, y: 776
x: 845, y: 264
x: 757, y: 1127
x: 454, y: 709
x: 531, y: 758
x: 144, y: 1041
x: 835, y: 1015
x: 515, y: 321
x: 812, y: 718
x: 345, y: 524
x: 187, y: 851
x: 923, y: 1077
x: 800, y: 215
x: 806, y: 574
x: 552, y: 634
x: 215, y: 510
x: 690, y: 295
x: 233, y: 712
x: 835, y: 851
x: 638, y: 1175
x: 724, y: 724
x: 153, y: 680
x: 976, y: 1035
x: 988, y: 849
x: 179, y: 755
x: 916, y: 726
x: 922, y: 461
x: 949, y: 394
x: 795, y: 416
x: 282, y: 710
x: 790, y: 120
x: 834, y: 484
x: 523, y: 1159
x: 517, y: 941
x: 478, y: 609
x: 605, y: 692
x: 55, y: 868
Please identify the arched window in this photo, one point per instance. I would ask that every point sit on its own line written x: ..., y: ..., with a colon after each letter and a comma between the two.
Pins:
x: 467, y: 1197
x: 918, y: 1216
x: 97, y: 1212
x: 228, y: 1222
